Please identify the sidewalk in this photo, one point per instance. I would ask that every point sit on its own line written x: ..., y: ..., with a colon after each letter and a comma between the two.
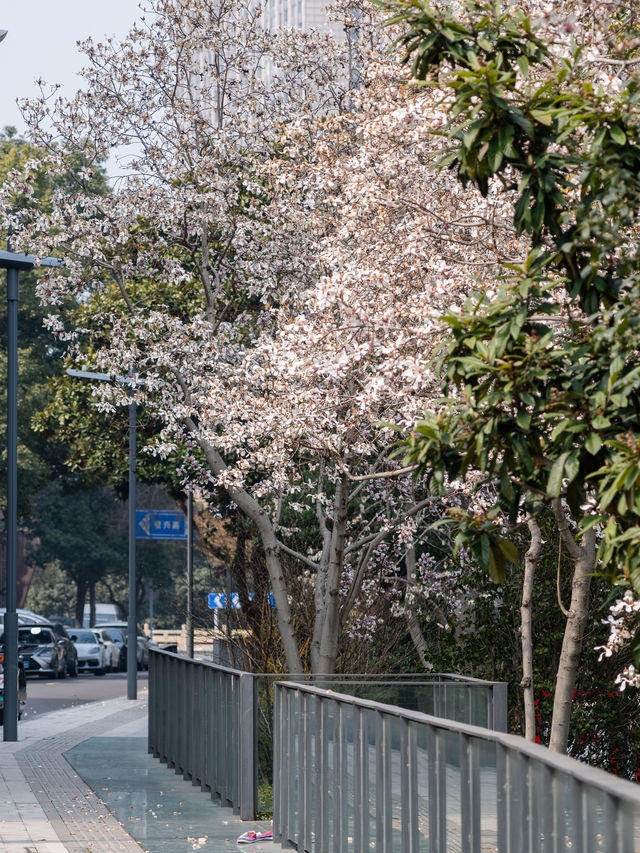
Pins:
x: 80, y: 780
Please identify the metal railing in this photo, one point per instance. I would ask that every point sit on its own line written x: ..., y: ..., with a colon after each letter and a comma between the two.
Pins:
x: 356, y: 775
x: 213, y: 724
x: 202, y: 722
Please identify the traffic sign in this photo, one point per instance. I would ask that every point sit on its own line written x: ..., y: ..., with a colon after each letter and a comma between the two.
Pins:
x: 218, y: 600
x: 160, y: 524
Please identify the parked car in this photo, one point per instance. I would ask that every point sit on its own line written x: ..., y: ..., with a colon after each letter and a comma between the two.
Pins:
x: 91, y: 652
x: 25, y: 617
x: 119, y: 641
x: 22, y: 689
x: 70, y: 653
x: 143, y: 651
x: 40, y: 650
x: 112, y: 649
x: 142, y: 645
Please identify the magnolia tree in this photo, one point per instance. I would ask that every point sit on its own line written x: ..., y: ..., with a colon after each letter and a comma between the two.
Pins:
x: 273, y: 265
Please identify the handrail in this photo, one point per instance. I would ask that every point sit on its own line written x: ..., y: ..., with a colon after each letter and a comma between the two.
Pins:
x: 352, y: 774
x: 203, y: 716
x: 206, y: 663
x: 202, y: 722
x: 584, y: 772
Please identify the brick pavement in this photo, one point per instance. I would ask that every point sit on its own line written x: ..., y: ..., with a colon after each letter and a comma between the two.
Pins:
x: 45, y: 807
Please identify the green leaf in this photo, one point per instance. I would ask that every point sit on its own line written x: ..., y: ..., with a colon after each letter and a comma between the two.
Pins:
x: 523, y: 65
x: 523, y: 123
x: 617, y: 134
x: 559, y: 428
x: 485, y: 550
x: 554, y: 483
x: 542, y: 117
x: 497, y: 565
x: 472, y: 132
x: 509, y: 550
x: 537, y: 215
x: 572, y: 466
x: 593, y: 443
x: 591, y: 521
x: 495, y: 157
x: 631, y: 534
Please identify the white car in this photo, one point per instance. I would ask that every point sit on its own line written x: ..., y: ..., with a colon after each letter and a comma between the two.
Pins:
x: 118, y: 631
x: 112, y: 650
x: 92, y: 656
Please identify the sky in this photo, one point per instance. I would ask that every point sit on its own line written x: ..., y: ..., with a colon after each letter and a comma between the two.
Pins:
x: 41, y: 43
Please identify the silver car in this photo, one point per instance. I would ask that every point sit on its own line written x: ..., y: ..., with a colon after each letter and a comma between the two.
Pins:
x: 92, y: 656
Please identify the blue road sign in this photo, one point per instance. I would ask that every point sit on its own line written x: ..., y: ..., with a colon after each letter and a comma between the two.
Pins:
x: 160, y: 524
x: 218, y: 600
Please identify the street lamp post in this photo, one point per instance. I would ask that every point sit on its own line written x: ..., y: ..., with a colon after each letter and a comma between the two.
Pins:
x: 189, y: 625
x: 132, y: 628
x: 13, y: 263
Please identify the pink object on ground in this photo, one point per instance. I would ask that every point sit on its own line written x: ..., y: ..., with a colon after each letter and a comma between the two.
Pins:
x: 251, y: 836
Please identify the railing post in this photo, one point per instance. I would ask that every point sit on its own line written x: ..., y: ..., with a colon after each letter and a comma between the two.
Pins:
x: 248, y: 747
x: 154, y: 703
x: 277, y: 764
x: 502, y: 799
x: 151, y: 717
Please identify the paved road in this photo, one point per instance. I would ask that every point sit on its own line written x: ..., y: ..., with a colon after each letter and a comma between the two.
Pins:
x: 45, y: 696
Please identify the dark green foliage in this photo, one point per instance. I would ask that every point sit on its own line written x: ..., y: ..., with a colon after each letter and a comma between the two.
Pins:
x: 543, y: 398
x: 39, y: 354
x: 81, y: 530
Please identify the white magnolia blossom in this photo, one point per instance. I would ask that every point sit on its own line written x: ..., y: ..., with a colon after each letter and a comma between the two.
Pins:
x: 345, y: 240
x: 623, y: 623
x: 274, y: 266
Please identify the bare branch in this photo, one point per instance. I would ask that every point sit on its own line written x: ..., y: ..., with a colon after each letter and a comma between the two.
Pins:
x: 381, y: 475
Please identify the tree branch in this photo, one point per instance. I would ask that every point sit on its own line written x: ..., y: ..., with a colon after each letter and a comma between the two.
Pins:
x: 575, y: 551
x: 381, y: 475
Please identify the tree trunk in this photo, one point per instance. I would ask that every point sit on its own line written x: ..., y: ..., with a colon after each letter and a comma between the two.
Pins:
x: 331, y: 627
x: 92, y: 603
x: 526, y: 630
x: 252, y: 509
x: 81, y: 595
x: 583, y: 557
x: 415, y: 632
